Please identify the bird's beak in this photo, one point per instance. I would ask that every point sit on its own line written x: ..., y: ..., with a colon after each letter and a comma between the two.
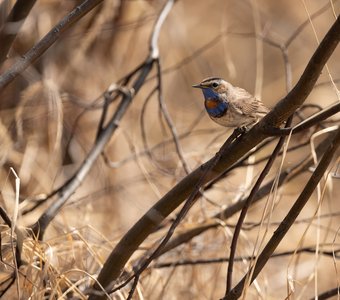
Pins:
x: 199, y: 86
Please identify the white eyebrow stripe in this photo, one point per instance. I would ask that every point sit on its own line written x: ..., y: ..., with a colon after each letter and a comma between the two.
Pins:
x: 210, y: 79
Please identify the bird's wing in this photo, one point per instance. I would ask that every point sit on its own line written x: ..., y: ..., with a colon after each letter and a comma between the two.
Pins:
x: 249, y: 106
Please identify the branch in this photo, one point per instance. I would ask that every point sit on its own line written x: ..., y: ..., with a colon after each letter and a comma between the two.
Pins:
x: 304, y: 86
x: 246, y: 206
x: 169, y: 202
x: 183, y: 212
x: 12, y: 26
x: 47, y: 41
x: 309, y: 122
x: 104, y: 134
x: 204, y: 261
x: 105, y: 276
x: 168, y: 119
x: 328, y: 294
x: 285, y: 176
x: 103, y: 138
x: 288, y: 221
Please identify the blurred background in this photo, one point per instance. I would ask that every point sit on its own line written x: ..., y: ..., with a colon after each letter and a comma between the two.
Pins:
x: 49, y: 118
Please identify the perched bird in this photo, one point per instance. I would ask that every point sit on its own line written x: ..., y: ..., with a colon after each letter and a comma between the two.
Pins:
x: 230, y: 106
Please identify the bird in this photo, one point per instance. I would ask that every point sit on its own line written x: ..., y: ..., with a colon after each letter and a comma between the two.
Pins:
x: 230, y: 106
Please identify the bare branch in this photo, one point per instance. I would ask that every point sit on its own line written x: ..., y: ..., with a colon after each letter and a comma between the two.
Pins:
x: 190, y: 262
x: 288, y: 221
x: 328, y: 294
x: 285, y: 176
x: 154, y: 51
x: 102, y: 139
x: 286, y: 107
x: 46, y: 42
x: 247, y: 204
x: 309, y: 122
x: 168, y: 119
x: 13, y: 24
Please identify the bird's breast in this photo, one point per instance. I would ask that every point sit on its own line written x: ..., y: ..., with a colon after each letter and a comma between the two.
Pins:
x: 215, y: 107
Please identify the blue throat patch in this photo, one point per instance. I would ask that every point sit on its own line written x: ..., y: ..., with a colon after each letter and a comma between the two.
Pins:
x: 209, y: 93
x: 219, y: 110
x: 213, y: 104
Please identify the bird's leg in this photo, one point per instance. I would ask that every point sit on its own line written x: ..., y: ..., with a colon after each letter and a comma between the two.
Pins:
x: 241, y: 130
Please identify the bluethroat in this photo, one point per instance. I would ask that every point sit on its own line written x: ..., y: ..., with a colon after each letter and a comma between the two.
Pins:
x: 230, y: 106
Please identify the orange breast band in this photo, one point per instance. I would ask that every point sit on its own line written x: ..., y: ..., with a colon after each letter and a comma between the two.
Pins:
x: 211, y: 103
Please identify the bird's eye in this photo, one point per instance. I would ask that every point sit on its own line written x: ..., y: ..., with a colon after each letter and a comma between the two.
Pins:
x: 214, y: 84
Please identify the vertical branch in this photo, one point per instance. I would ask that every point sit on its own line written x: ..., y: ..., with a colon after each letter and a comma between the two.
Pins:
x: 290, y: 218
x: 259, y: 49
x: 105, y: 277
x: 169, y: 120
x: 154, y: 50
x: 244, y: 211
x: 248, y: 203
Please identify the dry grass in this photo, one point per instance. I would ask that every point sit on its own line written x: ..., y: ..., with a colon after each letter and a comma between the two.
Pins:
x: 48, y: 123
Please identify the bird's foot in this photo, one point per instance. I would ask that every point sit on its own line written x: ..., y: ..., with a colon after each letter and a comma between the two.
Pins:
x: 241, y: 130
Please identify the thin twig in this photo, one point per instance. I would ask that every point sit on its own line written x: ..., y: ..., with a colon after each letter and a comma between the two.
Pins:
x: 47, y: 41
x: 285, y: 176
x: 12, y: 26
x: 147, y: 149
x: 288, y: 221
x: 307, y: 123
x: 169, y: 202
x: 244, y: 211
x: 202, y: 261
x: 104, y: 278
x: 183, y: 212
x: 246, y: 206
x: 103, y: 138
x: 168, y: 119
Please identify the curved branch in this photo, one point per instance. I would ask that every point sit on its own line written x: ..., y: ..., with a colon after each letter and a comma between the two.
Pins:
x: 304, y: 86
x: 104, y: 135
x: 103, y: 138
x: 169, y: 202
